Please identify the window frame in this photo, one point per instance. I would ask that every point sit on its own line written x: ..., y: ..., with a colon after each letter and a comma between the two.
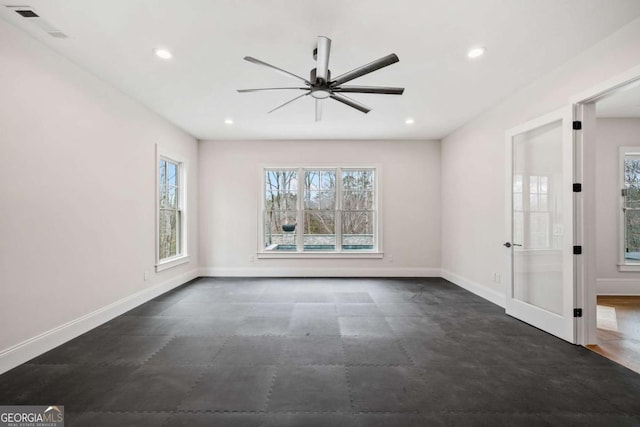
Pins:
x: 338, y: 252
x: 624, y: 264
x: 182, y: 255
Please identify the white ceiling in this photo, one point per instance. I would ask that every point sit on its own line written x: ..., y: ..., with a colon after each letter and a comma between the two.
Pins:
x: 196, y: 90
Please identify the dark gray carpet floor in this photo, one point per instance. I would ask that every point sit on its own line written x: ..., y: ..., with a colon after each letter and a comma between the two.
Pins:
x: 324, y: 352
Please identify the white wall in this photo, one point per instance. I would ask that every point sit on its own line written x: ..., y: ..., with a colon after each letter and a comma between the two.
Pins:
x: 473, y: 160
x: 229, y: 200
x: 77, y: 217
x: 612, y: 134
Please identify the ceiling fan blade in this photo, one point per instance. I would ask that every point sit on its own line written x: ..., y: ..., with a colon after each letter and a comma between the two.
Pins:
x: 318, y: 110
x: 257, y: 61
x: 271, y: 88
x: 351, y: 102
x: 369, y: 89
x: 322, y: 55
x: 365, y: 69
x: 288, y: 102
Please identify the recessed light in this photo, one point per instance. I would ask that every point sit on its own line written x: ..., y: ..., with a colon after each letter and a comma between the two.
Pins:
x: 476, y: 52
x: 162, y: 53
x: 409, y: 121
x: 228, y: 121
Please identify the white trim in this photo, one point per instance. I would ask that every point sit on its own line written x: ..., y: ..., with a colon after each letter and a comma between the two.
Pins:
x: 171, y: 262
x: 618, y: 287
x: 318, y: 272
x: 606, y: 87
x: 318, y: 255
x: 587, y: 282
x: 483, y: 291
x: 35, y: 346
x: 628, y: 267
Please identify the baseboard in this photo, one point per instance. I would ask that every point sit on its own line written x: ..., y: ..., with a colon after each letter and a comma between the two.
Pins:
x: 319, y: 272
x: 482, y: 291
x: 28, y: 349
x: 629, y: 287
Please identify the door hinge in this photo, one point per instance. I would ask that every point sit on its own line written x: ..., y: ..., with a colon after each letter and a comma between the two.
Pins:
x: 577, y: 188
x: 577, y: 250
x: 577, y: 312
x: 577, y: 125
x: 624, y: 192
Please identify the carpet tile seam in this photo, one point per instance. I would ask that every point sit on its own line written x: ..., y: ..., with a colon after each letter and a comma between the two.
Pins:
x: 347, y: 377
x: 173, y: 337
x: 272, y: 384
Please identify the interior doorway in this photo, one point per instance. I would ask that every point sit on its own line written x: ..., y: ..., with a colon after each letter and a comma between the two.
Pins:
x: 611, y: 226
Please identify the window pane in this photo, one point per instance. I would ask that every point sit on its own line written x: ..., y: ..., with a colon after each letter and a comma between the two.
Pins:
x: 533, y: 202
x: 632, y: 235
x: 357, y: 230
x: 319, y: 230
x: 280, y: 190
x: 357, y: 179
x: 312, y: 180
x: 280, y: 230
x: 328, y: 180
x: 163, y: 171
x: 168, y: 228
x: 533, y: 184
x: 172, y: 173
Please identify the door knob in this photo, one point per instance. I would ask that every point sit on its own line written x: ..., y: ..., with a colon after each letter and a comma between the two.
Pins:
x: 507, y: 245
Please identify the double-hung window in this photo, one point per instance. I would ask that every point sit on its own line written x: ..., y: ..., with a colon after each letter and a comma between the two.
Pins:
x: 171, y: 230
x: 320, y: 210
x: 630, y: 209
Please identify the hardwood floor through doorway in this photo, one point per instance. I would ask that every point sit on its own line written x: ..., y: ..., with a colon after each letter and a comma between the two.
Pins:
x: 619, y: 330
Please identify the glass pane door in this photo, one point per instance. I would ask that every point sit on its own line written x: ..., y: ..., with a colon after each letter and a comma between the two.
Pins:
x: 540, y: 213
x: 537, y: 217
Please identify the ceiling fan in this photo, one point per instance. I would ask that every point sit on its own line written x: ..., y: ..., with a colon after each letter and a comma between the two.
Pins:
x: 321, y: 86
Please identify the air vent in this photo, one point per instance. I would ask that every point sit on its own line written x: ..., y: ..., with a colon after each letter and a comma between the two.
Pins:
x: 34, y: 18
x: 27, y: 13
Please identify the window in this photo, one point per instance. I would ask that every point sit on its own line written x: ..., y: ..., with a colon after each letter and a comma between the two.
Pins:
x: 533, y: 225
x: 630, y: 209
x: 171, y: 219
x: 319, y: 210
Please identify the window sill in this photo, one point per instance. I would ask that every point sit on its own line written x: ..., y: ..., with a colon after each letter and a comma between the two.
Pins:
x: 171, y: 262
x: 628, y: 267
x: 319, y: 255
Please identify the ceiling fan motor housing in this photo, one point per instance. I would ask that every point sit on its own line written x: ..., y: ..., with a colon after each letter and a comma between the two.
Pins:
x: 315, y: 81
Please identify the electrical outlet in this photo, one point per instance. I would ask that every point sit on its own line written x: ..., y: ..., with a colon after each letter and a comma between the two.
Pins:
x: 497, y: 277
x: 251, y: 258
x: 390, y: 258
x: 146, y: 276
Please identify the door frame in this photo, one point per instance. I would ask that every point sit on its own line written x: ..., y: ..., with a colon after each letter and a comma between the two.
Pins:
x: 549, y: 322
x: 585, y: 215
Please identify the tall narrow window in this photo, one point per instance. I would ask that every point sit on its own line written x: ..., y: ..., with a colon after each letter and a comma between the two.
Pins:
x: 170, y: 210
x: 630, y: 221
x: 358, y: 212
x: 280, y: 210
x: 320, y: 210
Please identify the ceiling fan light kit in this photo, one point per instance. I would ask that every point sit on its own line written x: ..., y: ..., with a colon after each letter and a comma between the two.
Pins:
x: 321, y: 86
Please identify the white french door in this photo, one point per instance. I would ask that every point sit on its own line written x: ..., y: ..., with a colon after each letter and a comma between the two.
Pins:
x: 540, y: 245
